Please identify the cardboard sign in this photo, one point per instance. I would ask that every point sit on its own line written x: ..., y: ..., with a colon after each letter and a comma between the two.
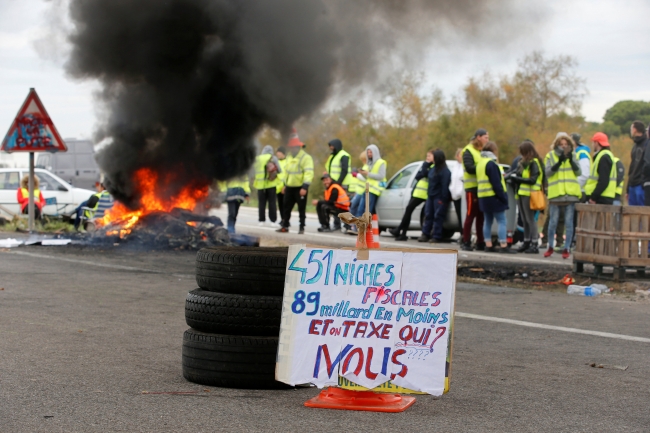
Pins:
x: 379, y: 323
x: 33, y: 130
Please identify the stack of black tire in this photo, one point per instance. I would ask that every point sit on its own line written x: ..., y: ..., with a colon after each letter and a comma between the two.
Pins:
x: 234, y: 317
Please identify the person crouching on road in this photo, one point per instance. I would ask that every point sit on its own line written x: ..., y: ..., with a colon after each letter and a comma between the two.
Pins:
x: 529, y: 177
x: 23, y: 197
x: 438, y: 199
x: 418, y: 196
x: 336, y: 201
x: 267, y: 171
x: 300, y: 173
x: 602, y: 182
x: 471, y: 158
x: 237, y: 190
x: 562, y: 170
x: 98, y: 203
x: 492, y: 197
x: 376, y: 175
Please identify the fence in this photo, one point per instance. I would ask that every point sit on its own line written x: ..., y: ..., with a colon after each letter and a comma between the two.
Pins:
x: 614, y: 236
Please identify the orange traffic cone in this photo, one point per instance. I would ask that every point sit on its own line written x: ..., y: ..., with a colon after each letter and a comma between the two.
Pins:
x: 374, y: 243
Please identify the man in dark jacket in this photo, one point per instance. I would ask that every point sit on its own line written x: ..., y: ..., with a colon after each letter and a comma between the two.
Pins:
x: 635, y: 178
x: 338, y: 164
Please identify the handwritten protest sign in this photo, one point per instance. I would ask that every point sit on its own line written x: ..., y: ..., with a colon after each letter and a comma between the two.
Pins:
x: 382, y: 322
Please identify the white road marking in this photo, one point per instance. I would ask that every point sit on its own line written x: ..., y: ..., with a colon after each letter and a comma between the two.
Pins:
x: 85, y: 262
x: 553, y: 328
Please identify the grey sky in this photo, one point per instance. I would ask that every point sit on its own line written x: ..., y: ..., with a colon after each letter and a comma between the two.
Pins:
x: 609, y: 38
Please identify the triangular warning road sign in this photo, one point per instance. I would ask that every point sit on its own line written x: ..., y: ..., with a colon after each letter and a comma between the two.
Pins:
x: 33, y: 130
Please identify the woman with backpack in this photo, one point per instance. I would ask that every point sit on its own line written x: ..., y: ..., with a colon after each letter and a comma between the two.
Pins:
x: 528, y: 179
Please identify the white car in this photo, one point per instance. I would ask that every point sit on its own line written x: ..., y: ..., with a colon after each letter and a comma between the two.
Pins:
x: 393, y: 200
x: 67, y: 197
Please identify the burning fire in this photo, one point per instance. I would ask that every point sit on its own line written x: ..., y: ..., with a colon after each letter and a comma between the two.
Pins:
x: 149, y: 184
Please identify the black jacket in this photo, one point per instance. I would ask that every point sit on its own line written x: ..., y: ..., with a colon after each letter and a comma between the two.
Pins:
x: 499, y: 201
x: 604, y: 170
x: 638, y: 166
x: 422, y: 173
x: 439, y: 180
x: 345, y: 161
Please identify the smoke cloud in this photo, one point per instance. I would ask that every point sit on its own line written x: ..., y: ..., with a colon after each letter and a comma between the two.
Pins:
x: 186, y: 84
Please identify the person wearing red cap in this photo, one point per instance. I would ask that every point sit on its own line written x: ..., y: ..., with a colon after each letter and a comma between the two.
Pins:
x: 601, y: 185
x: 300, y: 173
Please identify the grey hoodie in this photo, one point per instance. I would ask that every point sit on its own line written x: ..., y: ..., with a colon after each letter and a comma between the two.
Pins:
x: 376, y: 156
x: 268, y: 150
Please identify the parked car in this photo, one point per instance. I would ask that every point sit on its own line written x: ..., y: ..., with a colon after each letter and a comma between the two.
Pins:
x: 52, y: 186
x: 392, y: 202
x: 77, y: 166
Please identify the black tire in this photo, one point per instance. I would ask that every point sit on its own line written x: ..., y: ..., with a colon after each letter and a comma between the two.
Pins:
x: 230, y: 361
x: 243, y: 271
x: 224, y: 313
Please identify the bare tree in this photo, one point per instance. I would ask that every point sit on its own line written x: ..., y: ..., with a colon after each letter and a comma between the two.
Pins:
x: 551, y: 84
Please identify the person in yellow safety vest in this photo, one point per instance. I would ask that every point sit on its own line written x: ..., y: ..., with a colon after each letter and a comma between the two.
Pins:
x: 620, y: 180
x: 95, y: 206
x: 338, y: 164
x: 267, y: 170
x: 237, y: 190
x: 376, y: 178
x: 300, y: 173
x: 23, y: 197
x: 492, y: 197
x: 358, y: 188
x: 336, y: 201
x: 528, y: 178
x: 418, y: 196
x: 281, y: 154
x: 562, y: 170
x: 471, y: 158
x: 602, y: 182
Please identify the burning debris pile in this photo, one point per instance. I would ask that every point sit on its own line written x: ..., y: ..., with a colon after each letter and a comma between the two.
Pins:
x: 179, y: 221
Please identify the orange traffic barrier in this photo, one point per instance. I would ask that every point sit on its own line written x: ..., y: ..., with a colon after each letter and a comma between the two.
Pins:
x: 343, y: 399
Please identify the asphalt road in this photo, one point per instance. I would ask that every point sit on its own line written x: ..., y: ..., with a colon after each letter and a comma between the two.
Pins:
x: 85, y: 332
x: 247, y: 222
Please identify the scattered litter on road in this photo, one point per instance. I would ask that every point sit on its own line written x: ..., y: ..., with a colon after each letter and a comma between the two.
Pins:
x: 174, y: 392
x: 10, y: 243
x: 48, y: 242
x: 593, y: 290
x: 609, y: 366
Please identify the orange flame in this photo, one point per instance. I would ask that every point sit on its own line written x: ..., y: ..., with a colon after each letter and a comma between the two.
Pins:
x: 148, y: 183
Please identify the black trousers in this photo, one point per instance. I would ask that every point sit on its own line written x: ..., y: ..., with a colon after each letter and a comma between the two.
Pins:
x: 408, y: 212
x: 264, y: 196
x: 324, y: 209
x: 291, y: 197
x: 233, y: 210
x: 281, y: 205
x: 458, y: 206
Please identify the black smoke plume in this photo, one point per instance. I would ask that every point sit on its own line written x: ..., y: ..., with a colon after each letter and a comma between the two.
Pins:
x: 186, y: 84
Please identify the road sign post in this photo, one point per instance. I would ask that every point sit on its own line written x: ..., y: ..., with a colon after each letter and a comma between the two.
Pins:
x: 32, y: 131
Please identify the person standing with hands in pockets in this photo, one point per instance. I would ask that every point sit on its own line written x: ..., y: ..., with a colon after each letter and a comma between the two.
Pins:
x: 300, y: 173
x: 438, y: 198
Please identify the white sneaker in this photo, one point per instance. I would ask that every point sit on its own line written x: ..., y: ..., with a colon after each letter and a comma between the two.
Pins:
x: 261, y: 223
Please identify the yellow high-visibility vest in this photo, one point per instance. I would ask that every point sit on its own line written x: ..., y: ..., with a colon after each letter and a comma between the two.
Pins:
x: 469, y: 180
x: 358, y: 186
x: 377, y: 186
x: 483, y: 181
x: 422, y: 187
x: 524, y: 188
x: 563, y: 181
x: 261, y: 176
x: 300, y: 169
x: 590, y: 186
x: 333, y: 166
